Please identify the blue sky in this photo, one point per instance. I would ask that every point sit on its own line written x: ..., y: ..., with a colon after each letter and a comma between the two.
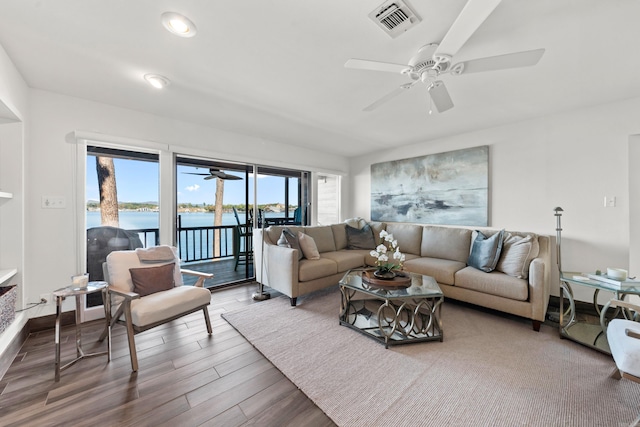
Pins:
x: 137, y: 181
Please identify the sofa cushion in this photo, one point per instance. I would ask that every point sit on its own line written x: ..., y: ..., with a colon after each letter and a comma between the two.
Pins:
x: 323, y: 237
x: 290, y: 240
x: 308, y: 246
x: 443, y: 270
x: 517, y: 253
x: 494, y: 283
x: 485, y: 251
x: 360, y: 238
x: 316, y: 269
x: 376, y: 228
x: 446, y: 243
x: 149, y: 280
x: 356, y: 222
x: 339, y: 236
x: 409, y: 237
x: 346, y: 259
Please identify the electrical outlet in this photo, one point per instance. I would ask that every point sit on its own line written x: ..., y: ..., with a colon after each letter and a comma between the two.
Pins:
x: 51, y: 202
x: 47, y: 298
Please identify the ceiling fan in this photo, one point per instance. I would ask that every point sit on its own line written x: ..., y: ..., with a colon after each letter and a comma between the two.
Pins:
x: 215, y: 173
x: 434, y: 59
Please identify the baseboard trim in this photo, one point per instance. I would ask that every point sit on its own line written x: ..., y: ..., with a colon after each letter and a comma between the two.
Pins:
x: 33, y: 325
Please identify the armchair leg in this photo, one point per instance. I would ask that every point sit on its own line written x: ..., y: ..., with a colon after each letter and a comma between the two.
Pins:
x: 132, y: 342
x: 207, y: 320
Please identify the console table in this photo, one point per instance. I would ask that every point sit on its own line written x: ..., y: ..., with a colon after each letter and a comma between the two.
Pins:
x: 590, y: 334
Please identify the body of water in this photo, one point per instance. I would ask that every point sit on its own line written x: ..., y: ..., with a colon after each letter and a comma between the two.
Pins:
x: 199, y: 244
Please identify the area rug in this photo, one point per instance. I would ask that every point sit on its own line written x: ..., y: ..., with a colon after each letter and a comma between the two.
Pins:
x: 491, y: 370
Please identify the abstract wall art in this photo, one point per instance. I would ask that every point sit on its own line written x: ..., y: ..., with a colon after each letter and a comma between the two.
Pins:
x: 446, y: 188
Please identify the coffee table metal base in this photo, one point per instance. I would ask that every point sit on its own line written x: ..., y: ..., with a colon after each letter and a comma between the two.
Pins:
x: 393, y: 321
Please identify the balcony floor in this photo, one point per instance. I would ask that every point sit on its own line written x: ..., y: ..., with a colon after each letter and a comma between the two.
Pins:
x: 223, y: 272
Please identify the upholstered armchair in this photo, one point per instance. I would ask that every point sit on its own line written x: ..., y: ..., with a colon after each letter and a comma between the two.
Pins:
x: 146, y: 290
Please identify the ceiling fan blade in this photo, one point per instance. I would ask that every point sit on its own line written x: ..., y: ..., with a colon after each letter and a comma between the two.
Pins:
x: 440, y: 96
x: 472, y: 16
x: 364, y: 64
x: 195, y: 173
x: 209, y: 177
x: 230, y: 177
x: 500, y: 62
x: 397, y: 91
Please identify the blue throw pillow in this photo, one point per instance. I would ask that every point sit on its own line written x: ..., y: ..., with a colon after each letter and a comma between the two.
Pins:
x: 360, y: 238
x: 485, y: 251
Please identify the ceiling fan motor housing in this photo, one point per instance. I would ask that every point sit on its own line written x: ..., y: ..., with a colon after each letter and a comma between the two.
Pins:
x: 423, y: 61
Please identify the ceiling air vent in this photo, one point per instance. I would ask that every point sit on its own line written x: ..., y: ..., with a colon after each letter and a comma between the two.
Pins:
x: 394, y: 17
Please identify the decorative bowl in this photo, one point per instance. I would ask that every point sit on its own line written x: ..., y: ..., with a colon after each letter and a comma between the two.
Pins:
x: 617, y: 274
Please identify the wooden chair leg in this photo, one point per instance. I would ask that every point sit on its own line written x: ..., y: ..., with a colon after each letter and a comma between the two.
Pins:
x: 130, y: 336
x: 207, y: 320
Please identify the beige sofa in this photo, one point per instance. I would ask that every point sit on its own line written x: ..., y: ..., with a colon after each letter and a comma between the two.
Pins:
x: 437, y: 251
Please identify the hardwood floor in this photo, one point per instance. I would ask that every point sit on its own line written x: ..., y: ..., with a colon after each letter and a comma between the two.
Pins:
x: 186, y: 378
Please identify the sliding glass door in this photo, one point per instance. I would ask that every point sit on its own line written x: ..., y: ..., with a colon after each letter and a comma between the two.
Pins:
x: 216, y: 212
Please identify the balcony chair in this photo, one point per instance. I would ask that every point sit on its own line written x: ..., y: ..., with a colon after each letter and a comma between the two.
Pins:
x: 145, y: 291
x: 623, y: 336
x: 243, y: 254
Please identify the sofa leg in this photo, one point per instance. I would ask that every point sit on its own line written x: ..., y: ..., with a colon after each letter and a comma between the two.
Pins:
x: 536, y: 325
x: 293, y: 301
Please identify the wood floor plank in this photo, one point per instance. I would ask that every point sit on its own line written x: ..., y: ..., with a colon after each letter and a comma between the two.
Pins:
x: 185, y: 377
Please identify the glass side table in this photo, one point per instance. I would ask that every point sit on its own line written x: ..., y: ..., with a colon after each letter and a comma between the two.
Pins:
x: 590, y: 334
x: 77, y: 292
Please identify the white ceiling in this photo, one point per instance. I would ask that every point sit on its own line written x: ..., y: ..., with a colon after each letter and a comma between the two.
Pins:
x: 275, y: 69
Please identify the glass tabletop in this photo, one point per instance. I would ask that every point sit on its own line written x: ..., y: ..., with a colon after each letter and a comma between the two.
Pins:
x: 75, y: 290
x: 584, y: 280
x: 421, y: 286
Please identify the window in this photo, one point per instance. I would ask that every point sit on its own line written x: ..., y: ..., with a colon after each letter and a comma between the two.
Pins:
x: 328, y: 199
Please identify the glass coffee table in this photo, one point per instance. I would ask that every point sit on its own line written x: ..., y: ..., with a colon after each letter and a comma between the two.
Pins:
x: 389, y: 313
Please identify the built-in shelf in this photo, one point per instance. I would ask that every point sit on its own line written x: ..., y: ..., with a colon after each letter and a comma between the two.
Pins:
x: 6, y: 274
x: 5, y: 195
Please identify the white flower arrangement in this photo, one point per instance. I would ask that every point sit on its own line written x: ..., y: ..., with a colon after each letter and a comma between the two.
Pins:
x: 388, y: 246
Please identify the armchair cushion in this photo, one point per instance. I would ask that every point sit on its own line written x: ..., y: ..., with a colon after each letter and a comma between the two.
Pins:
x: 149, y: 280
x: 157, y: 307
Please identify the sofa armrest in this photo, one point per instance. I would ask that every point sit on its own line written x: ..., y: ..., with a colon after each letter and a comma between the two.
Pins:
x: 279, y: 268
x: 539, y: 288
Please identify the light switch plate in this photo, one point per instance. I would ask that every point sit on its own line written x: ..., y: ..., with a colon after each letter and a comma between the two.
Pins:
x: 53, y: 202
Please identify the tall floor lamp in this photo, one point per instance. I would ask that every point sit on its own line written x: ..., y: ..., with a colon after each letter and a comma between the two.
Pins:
x: 261, y: 295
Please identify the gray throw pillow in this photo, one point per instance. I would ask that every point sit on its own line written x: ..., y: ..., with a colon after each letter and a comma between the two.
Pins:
x: 149, y: 280
x: 290, y: 240
x: 360, y: 238
x: 485, y: 251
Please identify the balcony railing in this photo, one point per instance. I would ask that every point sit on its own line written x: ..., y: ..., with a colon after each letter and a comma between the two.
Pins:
x: 197, y: 243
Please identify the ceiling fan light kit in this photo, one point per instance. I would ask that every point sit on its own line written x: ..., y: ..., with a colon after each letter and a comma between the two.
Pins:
x: 435, y: 59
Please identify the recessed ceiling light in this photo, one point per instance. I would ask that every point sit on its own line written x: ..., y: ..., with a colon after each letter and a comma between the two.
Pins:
x: 157, y: 80
x: 178, y: 24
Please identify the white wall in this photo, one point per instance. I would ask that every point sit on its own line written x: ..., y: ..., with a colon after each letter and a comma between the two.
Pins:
x: 50, y: 242
x: 570, y: 160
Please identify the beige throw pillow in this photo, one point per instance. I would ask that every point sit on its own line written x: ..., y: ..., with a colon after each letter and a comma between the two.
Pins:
x: 308, y: 246
x: 517, y: 254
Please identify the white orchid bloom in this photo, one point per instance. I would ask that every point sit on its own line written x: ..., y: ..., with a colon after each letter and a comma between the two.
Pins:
x: 383, y: 258
x: 381, y: 249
